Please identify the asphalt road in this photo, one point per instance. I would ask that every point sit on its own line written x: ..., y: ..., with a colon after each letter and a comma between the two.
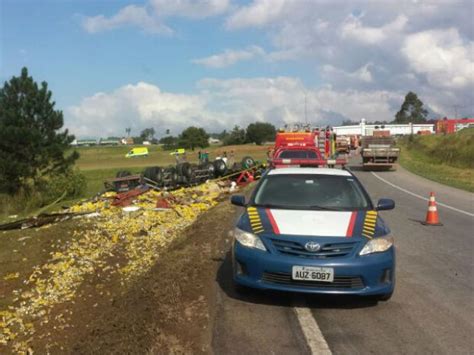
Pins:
x: 432, y: 310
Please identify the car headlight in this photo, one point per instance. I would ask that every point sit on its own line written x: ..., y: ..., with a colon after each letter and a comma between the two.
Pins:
x: 377, y: 245
x: 249, y: 240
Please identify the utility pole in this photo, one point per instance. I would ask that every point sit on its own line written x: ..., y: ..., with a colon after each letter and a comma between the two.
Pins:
x: 305, y: 109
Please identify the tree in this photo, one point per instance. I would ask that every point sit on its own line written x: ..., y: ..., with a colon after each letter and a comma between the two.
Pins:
x: 193, y: 137
x: 127, y: 131
x: 349, y: 123
x: 235, y: 137
x: 32, y: 147
x: 412, y: 110
x: 169, y: 142
x: 138, y: 140
x: 148, y: 134
x: 260, y: 132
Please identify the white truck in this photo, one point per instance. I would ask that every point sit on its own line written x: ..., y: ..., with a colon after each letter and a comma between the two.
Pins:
x: 379, y: 152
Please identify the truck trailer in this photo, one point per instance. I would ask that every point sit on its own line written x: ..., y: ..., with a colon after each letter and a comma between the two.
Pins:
x: 379, y: 152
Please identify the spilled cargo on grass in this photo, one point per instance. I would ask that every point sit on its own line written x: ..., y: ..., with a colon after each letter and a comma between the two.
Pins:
x: 138, y: 233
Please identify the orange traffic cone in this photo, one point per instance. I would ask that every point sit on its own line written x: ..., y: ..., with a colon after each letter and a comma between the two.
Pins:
x: 432, y: 218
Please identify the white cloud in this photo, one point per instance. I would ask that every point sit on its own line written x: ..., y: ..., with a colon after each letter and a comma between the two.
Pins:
x: 230, y: 57
x: 391, y: 35
x: 355, y: 50
x: 362, y: 74
x: 137, y: 106
x: 150, y: 17
x: 353, y: 28
x: 128, y: 16
x: 442, y: 56
x: 257, y: 14
x: 190, y: 8
x: 220, y: 104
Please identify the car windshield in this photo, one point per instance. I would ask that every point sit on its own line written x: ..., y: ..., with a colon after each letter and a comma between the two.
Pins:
x: 298, y: 154
x: 318, y: 192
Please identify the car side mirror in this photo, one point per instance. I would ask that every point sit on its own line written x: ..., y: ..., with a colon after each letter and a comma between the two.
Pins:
x: 238, y: 200
x: 385, y: 204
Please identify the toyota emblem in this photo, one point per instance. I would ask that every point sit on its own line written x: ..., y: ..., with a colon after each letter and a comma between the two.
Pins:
x: 312, y: 246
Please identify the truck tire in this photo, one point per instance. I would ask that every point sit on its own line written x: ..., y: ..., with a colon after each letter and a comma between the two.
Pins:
x: 220, y: 168
x: 210, y: 169
x: 123, y: 173
x: 248, y: 162
x: 154, y: 173
x: 184, y: 169
x: 172, y: 175
x: 192, y: 179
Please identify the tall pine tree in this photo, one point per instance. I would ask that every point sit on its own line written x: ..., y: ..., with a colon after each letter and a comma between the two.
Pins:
x: 31, y: 144
x: 412, y: 110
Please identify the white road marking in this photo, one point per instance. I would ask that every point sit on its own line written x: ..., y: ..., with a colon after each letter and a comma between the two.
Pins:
x: 315, y: 339
x: 421, y: 197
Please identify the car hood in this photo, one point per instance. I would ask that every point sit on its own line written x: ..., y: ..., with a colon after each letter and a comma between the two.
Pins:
x: 313, y: 223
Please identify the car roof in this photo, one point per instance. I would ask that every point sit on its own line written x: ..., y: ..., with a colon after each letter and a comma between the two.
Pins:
x: 309, y: 171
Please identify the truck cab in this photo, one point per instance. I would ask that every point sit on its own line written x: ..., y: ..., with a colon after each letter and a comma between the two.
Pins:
x: 301, y: 148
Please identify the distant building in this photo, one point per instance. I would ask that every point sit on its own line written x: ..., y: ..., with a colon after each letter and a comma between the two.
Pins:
x: 109, y: 142
x: 366, y: 129
x: 83, y: 142
x: 213, y: 140
x: 127, y: 141
x: 447, y: 125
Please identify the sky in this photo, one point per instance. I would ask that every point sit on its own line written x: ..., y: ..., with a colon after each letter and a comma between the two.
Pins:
x: 170, y: 64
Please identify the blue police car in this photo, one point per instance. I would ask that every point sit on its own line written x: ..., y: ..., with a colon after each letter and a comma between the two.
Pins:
x: 313, y: 230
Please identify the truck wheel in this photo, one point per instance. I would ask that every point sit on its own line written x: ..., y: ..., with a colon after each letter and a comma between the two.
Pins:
x: 172, y: 175
x: 154, y: 173
x: 184, y: 170
x: 220, y: 167
x: 187, y: 170
x: 123, y: 173
x: 210, y: 169
x: 248, y: 162
x: 192, y: 177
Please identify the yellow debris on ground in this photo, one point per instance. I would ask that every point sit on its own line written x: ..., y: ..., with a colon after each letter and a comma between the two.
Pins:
x: 139, y: 236
x: 11, y: 276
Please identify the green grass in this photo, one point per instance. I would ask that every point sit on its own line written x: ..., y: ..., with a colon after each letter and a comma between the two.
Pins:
x: 100, y: 163
x: 448, y: 159
x: 93, y: 158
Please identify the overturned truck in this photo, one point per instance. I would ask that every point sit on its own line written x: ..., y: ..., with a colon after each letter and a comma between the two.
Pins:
x: 379, y: 152
x: 181, y: 174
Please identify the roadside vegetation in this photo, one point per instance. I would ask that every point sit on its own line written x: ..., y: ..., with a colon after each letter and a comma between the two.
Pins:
x: 448, y: 159
x: 36, y: 164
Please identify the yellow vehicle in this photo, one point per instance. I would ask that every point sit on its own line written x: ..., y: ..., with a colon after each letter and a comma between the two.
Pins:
x: 137, y: 152
x: 178, y: 151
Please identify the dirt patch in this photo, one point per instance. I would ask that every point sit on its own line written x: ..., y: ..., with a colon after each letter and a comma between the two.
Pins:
x: 168, y: 310
x: 22, y: 250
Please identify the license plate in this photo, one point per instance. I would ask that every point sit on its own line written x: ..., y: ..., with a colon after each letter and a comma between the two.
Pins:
x: 311, y: 273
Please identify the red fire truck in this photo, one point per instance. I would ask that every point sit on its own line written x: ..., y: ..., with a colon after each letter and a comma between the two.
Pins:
x: 303, y: 148
x: 453, y: 125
